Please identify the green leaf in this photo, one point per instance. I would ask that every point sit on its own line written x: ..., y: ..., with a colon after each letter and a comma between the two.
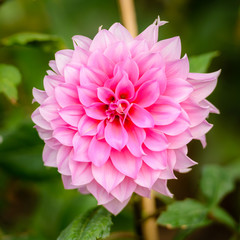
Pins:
x: 201, y: 62
x: 184, y: 214
x: 31, y: 38
x: 183, y: 234
x: 215, y: 183
x: 92, y: 225
x: 220, y: 215
x: 10, y: 77
x: 233, y: 169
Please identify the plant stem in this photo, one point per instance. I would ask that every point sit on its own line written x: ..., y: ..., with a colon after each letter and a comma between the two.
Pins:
x: 128, y: 15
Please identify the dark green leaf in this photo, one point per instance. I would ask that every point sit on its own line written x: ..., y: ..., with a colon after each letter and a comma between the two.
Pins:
x: 201, y: 62
x: 10, y: 77
x: 184, y: 214
x: 233, y: 169
x: 215, y: 183
x: 182, y: 234
x: 220, y: 215
x: 92, y: 225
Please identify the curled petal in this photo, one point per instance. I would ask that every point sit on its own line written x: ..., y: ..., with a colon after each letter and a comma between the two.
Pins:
x: 63, y: 57
x: 160, y: 186
x: 49, y: 156
x: 201, y: 129
x: 81, y: 41
x: 116, y: 206
x: 67, y: 182
x: 183, y: 161
x: 40, y: 121
x: 39, y: 95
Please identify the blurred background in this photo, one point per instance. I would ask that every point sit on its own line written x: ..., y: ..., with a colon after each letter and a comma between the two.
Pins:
x: 33, y: 203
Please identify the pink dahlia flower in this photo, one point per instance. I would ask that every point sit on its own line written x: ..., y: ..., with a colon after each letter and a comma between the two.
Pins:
x: 117, y: 113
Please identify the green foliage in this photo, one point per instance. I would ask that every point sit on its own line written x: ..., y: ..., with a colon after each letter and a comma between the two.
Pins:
x: 10, y: 77
x: 201, y: 62
x: 92, y: 225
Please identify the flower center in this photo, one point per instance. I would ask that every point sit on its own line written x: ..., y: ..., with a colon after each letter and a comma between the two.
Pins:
x: 118, y: 108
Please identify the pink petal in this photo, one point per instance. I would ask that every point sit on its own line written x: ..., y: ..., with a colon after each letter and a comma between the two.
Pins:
x: 49, y: 109
x: 126, y: 163
x: 125, y: 89
x: 103, y: 152
x: 50, y: 82
x: 115, y: 206
x: 67, y: 182
x: 155, y: 140
x: 105, y: 95
x: 72, y: 114
x: 87, y: 96
x: 64, y: 135
x: 150, y: 34
x: 183, y: 161
x: 43, y: 134
x: 80, y: 57
x: 201, y: 129
x: 81, y: 172
x: 116, y: 135
x: 63, y: 155
x: 66, y: 94
x: 140, y: 117
x: 120, y: 32
x: 164, y: 111
x: 99, y: 193
x: 49, y: 156
x: 178, y: 68
x: 71, y: 74
x: 97, y: 111
x: 63, y: 57
x: 168, y: 173
x: 137, y: 47
x: 136, y: 137
x: 147, y: 94
x: 53, y: 143
x: 81, y: 41
x: 107, y: 176
x: 160, y: 186
x: 39, y: 95
x: 124, y: 190
x: 155, y: 160
x: 205, y: 103
x: 169, y: 48
x: 142, y: 191
x: 40, y: 121
x: 53, y: 66
x: 146, y: 176
x: 87, y: 126
x: 118, y: 74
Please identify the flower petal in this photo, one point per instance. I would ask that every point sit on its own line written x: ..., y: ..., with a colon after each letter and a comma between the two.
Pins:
x: 115, y: 206
x: 120, y: 32
x: 63, y: 155
x: 87, y: 96
x: 155, y: 140
x: 125, y: 89
x: 62, y: 58
x: 160, y: 186
x: 39, y: 95
x: 81, y: 41
x: 87, y: 126
x: 40, y: 121
x: 105, y: 95
x: 97, y: 111
x: 64, y: 135
x: 49, y: 156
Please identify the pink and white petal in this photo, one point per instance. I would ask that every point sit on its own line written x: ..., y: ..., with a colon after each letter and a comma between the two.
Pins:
x: 169, y: 48
x: 103, y: 152
x: 80, y: 57
x: 178, y: 68
x: 81, y: 41
x: 116, y: 206
x: 81, y: 172
x: 62, y: 58
x: 40, y: 121
x: 150, y: 34
x: 201, y: 129
x: 164, y: 111
x: 120, y: 32
x: 87, y: 126
x: 142, y: 191
x: 137, y: 47
x: 115, y: 134
x: 49, y: 156
x: 155, y: 141
x: 71, y: 74
x: 105, y: 95
x: 97, y: 111
x: 102, y: 40
x: 168, y: 173
x: 80, y: 146
x: 203, y: 84
x: 87, y: 96
x: 182, y: 160
x: 43, y: 133
x: 140, y: 117
x: 155, y: 160
x: 51, y: 82
x: 58, y: 122
x: 147, y: 176
x: 102, y: 196
x: 180, y: 140
x: 118, y: 74
x: 136, y: 137
x: 67, y: 182
x: 64, y: 135
x: 53, y: 143
x: 72, y: 114
x: 124, y: 190
x: 205, y: 103
x: 107, y: 176
x: 125, y: 89
x: 66, y: 94
x: 63, y: 155
x: 83, y: 189
x: 53, y: 66
x: 126, y: 163
x: 49, y: 109
x: 39, y: 95
x: 100, y: 130
x: 160, y: 186
x: 147, y: 94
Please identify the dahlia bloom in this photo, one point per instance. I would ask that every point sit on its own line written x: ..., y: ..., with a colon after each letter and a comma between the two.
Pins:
x: 117, y: 113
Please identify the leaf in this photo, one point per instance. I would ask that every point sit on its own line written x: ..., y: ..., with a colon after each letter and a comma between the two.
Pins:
x: 220, y: 215
x: 10, y: 77
x: 201, y: 62
x: 233, y: 169
x: 184, y: 214
x: 215, y: 183
x: 31, y: 38
x: 182, y: 234
x: 92, y: 225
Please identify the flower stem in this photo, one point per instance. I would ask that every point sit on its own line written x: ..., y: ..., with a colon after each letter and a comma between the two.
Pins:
x: 128, y: 15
